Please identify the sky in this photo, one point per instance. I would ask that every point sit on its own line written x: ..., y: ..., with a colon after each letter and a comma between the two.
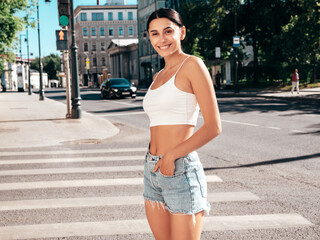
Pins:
x: 48, y: 26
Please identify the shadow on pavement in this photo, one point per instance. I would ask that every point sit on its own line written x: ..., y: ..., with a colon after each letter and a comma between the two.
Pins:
x: 275, y: 161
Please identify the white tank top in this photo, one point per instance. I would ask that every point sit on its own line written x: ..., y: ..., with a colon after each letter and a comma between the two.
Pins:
x: 168, y: 105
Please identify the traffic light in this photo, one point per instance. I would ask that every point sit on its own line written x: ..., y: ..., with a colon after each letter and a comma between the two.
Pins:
x: 64, y: 12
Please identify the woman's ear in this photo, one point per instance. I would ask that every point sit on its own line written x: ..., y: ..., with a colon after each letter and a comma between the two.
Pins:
x: 183, y: 33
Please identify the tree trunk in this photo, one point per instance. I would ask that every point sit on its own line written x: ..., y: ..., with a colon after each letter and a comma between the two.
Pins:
x: 255, y: 61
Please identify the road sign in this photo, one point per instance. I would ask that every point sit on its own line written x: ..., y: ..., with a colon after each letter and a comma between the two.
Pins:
x: 62, y: 40
x: 218, y: 52
x: 236, y: 41
x: 87, y: 64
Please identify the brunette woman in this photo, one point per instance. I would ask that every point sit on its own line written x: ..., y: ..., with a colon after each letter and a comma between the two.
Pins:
x: 175, y: 187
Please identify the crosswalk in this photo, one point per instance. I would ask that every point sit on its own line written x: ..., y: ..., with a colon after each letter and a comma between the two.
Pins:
x: 29, y: 177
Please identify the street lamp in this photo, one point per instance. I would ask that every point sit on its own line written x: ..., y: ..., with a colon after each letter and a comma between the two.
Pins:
x: 41, y: 91
x: 75, y: 90
x: 29, y: 81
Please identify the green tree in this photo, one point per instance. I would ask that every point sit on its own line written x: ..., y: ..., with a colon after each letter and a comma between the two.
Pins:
x: 11, y: 24
x: 51, y: 64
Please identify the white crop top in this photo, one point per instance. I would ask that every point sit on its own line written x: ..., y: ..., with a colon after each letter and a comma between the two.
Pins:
x: 168, y: 105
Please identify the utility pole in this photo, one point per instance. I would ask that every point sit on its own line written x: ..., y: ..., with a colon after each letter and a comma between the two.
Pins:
x: 41, y: 91
x: 236, y: 84
x: 29, y: 81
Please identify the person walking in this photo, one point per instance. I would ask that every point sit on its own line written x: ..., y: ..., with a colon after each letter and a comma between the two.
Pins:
x: 295, y: 81
x: 175, y: 189
x: 218, y: 80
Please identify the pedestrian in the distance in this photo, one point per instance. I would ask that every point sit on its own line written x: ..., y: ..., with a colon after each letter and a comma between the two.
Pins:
x: 295, y: 81
x: 218, y: 80
x: 175, y: 189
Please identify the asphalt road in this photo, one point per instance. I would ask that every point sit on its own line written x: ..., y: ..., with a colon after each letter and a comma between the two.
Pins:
x: 268, y: 155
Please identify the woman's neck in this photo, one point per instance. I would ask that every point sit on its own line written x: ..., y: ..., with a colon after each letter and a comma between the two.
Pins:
x: 173, y: 60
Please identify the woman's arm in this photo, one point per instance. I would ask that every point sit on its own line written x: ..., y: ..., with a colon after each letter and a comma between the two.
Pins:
x: 203, y: 89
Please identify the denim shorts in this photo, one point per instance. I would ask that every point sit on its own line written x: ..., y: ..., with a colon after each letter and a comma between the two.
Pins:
x: 185, y: 192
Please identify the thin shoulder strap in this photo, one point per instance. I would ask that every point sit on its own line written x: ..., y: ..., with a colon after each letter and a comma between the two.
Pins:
x: 182, y: 64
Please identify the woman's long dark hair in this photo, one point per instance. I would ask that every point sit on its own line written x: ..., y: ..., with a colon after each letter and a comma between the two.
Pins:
x: 169, y: 13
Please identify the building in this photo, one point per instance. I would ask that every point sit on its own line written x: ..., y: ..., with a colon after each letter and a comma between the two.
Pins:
x: 96, y: 27
x: 15, y: 76
x: 124, y: 58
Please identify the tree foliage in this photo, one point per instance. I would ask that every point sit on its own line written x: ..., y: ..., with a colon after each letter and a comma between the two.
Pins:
x: 11, y: 24
x: 51, y: 64
x: 284, y: 34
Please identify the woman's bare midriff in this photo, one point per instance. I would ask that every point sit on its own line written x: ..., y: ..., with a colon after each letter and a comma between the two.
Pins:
x: 164, y: 138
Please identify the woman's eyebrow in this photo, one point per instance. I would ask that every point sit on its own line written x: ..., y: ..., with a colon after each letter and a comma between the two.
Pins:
x: 162, y: 30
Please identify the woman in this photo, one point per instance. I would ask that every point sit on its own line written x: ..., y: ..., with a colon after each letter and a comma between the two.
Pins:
x: 295, y: 81
x: 174, y: 182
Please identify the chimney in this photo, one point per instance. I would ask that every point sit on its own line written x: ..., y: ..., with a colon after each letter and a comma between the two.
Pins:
x: 98, y: 2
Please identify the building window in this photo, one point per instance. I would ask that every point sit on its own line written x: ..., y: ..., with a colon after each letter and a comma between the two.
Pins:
x: 102, y: 31
x: 130, y: 16
x: 93, y: 31
x: 77, y: 19
x: 103, y: 46
x: 83, y: 17
x: 121, y: 31
x: 130, y: 30
x: 110, y: 31
x: 120, y: 16
x: 85, y: 47
x: 103, y: 61
x: 110, y: 16
x: 94, y: 62
x: 94, y: 47
x: 85, y: 32
x: 97, y: 16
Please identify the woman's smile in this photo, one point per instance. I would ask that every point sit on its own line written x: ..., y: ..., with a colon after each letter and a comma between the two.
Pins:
x: 165, y: 47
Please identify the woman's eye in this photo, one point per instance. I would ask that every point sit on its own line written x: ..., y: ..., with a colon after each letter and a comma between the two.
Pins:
x: 154, y: 34
x: 169, y: 31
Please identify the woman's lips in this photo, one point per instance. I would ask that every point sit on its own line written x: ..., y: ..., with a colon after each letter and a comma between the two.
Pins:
x: 164, y: 47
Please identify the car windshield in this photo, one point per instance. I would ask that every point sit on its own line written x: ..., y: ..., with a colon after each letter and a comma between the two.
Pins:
x: 119, y: 81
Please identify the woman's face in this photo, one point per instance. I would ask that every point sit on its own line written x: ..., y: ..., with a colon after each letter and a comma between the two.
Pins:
x: 165, y: 36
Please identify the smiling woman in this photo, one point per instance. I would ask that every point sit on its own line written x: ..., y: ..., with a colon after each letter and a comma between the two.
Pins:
x: 173, y: 177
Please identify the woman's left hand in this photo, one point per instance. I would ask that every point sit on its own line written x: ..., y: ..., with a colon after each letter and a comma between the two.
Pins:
x: 166, y: 165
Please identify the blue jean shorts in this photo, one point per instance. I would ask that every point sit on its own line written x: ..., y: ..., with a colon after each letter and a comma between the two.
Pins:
x: 185, y: 192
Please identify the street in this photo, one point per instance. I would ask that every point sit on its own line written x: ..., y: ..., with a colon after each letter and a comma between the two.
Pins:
x: 262, y: 171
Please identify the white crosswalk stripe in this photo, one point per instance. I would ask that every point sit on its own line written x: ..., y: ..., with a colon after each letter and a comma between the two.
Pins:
x: 112, y: 227
x: 82, y: 183
x: 73, y: 160
x: 120, y: 227
x: 110, y: 201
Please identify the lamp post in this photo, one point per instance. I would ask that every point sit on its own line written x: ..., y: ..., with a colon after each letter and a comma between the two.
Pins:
x: 75, y: 90
x: 236, y: 83
x: 29, y: 81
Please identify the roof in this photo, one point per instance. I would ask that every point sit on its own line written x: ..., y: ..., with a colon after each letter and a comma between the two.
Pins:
x: 125, y: 42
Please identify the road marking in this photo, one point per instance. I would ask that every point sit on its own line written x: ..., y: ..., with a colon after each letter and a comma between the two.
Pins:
x: 275, y: 128
x: 73, y: 151
x: 110, y: 201
x: 82, y: 183
x: 298, y: 131
x: 119, y: 114
x: 241, y: 123
x: 46, y: 171
x: 125, y: 103
x: 140, y: 226
x: 72, y: 160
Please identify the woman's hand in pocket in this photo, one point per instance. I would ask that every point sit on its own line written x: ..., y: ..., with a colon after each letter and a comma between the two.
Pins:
x: 166, y: 166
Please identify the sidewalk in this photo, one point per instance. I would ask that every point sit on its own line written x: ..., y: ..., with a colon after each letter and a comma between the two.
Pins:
x: 311, y: 94
x: 27, y: 122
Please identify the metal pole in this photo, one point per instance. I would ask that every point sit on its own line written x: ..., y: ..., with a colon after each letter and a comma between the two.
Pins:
x: 236, y: 84
x: 67, y: 73
x: 29, y: 81
x: 75, y: 90
x: 41, y: 91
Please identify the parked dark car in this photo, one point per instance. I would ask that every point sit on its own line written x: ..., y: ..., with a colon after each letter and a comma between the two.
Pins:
x: 117, y: 88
